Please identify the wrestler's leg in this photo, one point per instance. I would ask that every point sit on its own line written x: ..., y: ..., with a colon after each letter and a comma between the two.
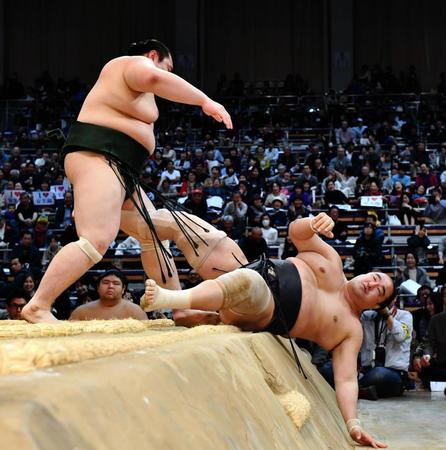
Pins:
x: 98, y: 196
x: 243, y: 294
x: 224, y: 257
x: 134, y: 225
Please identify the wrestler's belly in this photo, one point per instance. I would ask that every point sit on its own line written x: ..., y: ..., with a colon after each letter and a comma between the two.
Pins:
x: 138, y: 130
x: 304, y: 326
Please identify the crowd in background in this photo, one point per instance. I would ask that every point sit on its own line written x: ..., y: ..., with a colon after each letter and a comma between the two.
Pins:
x: 251, y: 182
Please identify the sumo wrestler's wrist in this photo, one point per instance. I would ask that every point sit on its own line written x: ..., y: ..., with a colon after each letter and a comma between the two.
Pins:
x: 312, y: 226
x: 352, y: 424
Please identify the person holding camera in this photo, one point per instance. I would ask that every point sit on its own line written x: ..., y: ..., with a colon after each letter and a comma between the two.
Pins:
x: 385, y: 351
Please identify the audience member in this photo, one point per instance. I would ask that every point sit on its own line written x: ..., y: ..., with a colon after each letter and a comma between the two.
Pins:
x: 26, y: 213
x: 15, y: 301
x: 385, y: 351
x: 419, y: 243
x: 269, y: 233
x: 435, y: 212
x: 237, y: 209
x: 254, y: 245
x: 196, y: 203
x: 367, y: 250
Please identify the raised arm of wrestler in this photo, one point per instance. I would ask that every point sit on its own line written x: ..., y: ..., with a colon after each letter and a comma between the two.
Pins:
x: 142, y: 75
x: 304, y: 234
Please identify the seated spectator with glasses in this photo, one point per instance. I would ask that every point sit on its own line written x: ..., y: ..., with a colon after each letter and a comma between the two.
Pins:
x: 16, y: 300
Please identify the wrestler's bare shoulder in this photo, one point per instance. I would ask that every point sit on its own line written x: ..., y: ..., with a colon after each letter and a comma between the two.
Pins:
x: 112, y: 103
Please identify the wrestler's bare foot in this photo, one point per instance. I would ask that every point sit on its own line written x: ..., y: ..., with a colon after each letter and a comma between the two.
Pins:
x: 156, y: 297
x: 148, y: 301
x: 34, y: 313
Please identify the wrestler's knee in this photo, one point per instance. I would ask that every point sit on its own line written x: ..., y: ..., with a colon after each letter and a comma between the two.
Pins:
x: 245, y: 292
x: 101, y: 242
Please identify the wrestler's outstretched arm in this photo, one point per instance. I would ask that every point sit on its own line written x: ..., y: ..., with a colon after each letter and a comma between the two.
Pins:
x: 346, y: 384
x: 142, y: 75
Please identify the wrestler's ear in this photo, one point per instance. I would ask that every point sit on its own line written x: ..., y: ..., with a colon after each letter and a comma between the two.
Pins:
x: 154, y: 56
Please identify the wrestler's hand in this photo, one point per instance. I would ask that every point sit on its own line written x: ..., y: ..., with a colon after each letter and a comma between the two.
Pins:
x: 363, y: 438
x: 322, y: 224
x: 218, y: 112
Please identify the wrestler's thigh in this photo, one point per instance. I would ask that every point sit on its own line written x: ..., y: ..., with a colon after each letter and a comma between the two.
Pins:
x: 98, y: 194
x: 249, y: 322
x: 225, y: 257
x: 129, y: 218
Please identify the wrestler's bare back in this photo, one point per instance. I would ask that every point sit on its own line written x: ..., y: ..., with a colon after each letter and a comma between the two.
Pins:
x: 111, y: 102
x: 325, y: 317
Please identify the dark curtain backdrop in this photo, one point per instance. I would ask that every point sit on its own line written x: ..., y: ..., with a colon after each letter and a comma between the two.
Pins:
x: 76, y: 38
x: 264, y: 39
x: 400, y: 33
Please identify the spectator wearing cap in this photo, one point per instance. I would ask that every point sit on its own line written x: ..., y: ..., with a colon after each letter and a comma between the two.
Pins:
x: 112, y: 285
x: 276, y: 192
x: 196, y: 203
x: 237, y: 209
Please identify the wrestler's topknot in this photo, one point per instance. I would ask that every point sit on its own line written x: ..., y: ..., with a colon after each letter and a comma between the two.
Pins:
x: 141, y: 47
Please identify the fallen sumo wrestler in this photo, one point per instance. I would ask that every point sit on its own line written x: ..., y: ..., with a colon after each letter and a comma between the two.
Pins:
x: 105, y: 151
x: 311, y: 294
